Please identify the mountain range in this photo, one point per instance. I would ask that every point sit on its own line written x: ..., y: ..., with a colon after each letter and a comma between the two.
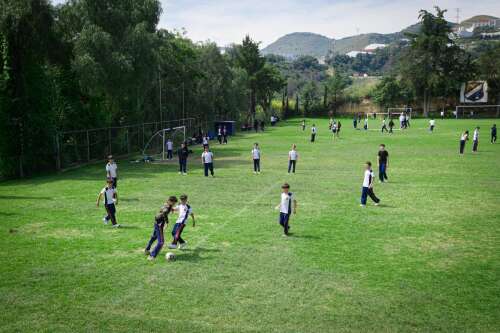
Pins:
x: 306, y: 43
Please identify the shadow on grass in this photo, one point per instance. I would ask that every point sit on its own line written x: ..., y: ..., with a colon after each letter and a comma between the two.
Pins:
x: 194, y: 255
x: 22, y: 197
x: 7, y: 214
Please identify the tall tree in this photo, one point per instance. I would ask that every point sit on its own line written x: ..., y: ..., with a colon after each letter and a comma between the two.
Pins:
x: 435, y: 65
x: 489, y: 69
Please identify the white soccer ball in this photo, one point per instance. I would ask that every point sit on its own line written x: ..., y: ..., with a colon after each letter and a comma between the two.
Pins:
x: 170, y: 256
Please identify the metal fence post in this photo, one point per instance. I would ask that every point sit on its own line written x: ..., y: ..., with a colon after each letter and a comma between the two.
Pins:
x: 88, y: 147
x: 58, y: 153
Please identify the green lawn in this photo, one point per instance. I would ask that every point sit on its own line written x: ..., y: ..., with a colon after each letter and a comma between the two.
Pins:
x: 426, y: 260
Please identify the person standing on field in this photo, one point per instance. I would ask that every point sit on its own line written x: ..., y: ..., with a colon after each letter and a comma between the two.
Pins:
x: 224, y: 135
x: 494, y: 133
x: 313, y: 132
x: 293, y: 156
x: 463, y: 138
x: 287, y: 205
x: 208, y: 161
x: 304, y: 125
x: 384, y: 126
x: 112, y: 171
x: 183, y: 154
x: 256, y: 158
x: 219, y: 134
x: 475, y: 140
x: 170, y: 148
x: 383, y: 163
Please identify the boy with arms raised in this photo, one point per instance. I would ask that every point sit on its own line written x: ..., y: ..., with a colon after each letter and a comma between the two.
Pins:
x: 110, y: 200
x: 185, y: 211
x: 285, y: 207
x: 161, y: 219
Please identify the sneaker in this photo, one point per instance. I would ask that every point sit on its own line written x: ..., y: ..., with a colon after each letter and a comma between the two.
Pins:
x: 116, y: 226
x: 172, y: 246
x: 376, y: 203
x: 146, y: 252
x: 362, y: 205
x: 151, y: 258
x: 183, y: 246
x: 255, y: 172
x: 185, y: 174
x: 105, y: 221
x: 180, y: 173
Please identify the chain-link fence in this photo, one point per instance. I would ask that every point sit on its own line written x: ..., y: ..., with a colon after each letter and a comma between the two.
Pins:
x: 84, y: 146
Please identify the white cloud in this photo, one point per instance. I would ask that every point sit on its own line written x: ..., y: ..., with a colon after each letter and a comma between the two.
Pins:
x: 227, y: 21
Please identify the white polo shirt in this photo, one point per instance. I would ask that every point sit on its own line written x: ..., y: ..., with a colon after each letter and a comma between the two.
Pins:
x: 463, y: 137
x: 476, y: 135
x: 108, y: 194
x: 293, y: 155
x: 111, y: 169
x: 205, y: 140
x: 184, y: 212
x: 256, y: 153
x: 432, y: 122
x: 170, y: 145
x: 313, y: 130
x: 367, y: 179
x: 207, y: 157
x: 286, y: 202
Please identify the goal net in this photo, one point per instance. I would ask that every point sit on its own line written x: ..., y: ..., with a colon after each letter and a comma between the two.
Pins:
x: 396, y: 112
x: 376, y: 115
x: 477, y: 111
x: 156, y: 147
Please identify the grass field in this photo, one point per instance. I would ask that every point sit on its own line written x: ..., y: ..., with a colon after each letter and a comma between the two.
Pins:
x: 426, y: 260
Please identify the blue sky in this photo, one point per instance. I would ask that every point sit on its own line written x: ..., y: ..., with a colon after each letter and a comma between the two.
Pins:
x: 227, y: 21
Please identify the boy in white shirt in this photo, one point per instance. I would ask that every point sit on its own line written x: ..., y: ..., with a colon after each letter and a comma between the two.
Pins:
x: 285, y: 207
x: 256, y: 158
x: 366, y: 123
x: 293, y: 156
x: 367, y: 189
x: 432, y: 123
x: 208, y: 161
x: 112, y: 171
x: 205, y: 141
x: 170, y: 148
x: 185, y: 211
x: 110, y: 200
x: 475, y: 140
x: 313, y: 132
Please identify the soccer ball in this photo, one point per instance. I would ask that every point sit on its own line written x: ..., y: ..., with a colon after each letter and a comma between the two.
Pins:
x: 170, y: 256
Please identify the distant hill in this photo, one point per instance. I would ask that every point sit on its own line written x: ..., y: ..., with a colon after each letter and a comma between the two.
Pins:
x: 298, y: 44
x: 306, y: 43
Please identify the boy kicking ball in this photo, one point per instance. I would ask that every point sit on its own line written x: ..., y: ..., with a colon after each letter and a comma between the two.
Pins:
x: 285, y: 207
x: 185, y: 211
x: 110, y: 200
x: 161, y: 219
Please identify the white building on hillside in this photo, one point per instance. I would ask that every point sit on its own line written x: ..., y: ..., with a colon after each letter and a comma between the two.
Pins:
x: 374, y: 47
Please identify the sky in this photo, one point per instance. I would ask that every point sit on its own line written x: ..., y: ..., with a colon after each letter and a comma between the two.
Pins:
x: 228, y: 21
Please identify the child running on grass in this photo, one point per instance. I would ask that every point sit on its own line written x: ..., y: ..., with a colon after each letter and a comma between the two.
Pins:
x: 161, y: 220
x: 494, y: 133
x: 285, y: 207
x: 110, y: 200
x: 367, y: 189
x: 185, y: 211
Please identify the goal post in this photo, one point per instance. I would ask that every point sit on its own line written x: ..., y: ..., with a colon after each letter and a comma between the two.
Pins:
x: 156, y: 146
x: 398, y: 111
x: 477, y: 111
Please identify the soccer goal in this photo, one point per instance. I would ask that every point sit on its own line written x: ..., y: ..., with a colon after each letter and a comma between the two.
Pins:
x: 477, y: 111
x: 156, y: 147
x: 376, y: 115
x: 399, y: 111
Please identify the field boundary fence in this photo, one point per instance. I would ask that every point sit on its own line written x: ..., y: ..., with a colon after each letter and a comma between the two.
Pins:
x: 79, y: 147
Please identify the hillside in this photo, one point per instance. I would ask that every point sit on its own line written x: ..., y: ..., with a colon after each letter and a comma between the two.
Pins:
x: 300, y: 43
x: 359, y: 42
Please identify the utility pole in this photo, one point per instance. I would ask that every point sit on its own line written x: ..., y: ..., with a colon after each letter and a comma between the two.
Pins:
x: 458, y: 15
x: 159, y: 82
